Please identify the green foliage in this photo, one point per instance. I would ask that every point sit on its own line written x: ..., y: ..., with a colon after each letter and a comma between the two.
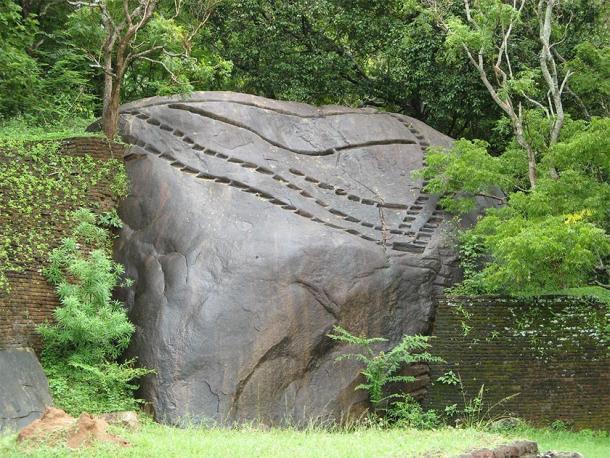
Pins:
x: 532, y: 255
x: 19, y: 72
x: 597, y: 293
x: 385, y: 53
x: 110, y: 220
x: 546, y: 239
x: 467, y: 172
x: 406, y: 412
x: 176, y: 60
x: 38, y: 186
x: 390, y: 54
x: 105, y: 387
x: 475, y: 412
x: 90, y: 330
x: 43, y: 86
x: 449, y: 378
x: 382, y: 367
x: 591, y: 66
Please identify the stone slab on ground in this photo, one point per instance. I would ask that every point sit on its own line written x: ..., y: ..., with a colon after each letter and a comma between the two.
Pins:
x: 24, y: 389
x: 517, y: 449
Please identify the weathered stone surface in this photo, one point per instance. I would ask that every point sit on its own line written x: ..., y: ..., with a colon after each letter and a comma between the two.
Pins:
x: 127, y: 419
x: 517, y: 449
x: 553, y: 454
x: 24, y: 390
x: 254, y: 226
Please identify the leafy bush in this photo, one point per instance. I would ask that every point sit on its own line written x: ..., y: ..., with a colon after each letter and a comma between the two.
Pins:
x: 381, y: 367
x: 406, y: 412
x: 91, y: 330
x: 47, y: 87
x: 534, y: 255
x: 548, y: 238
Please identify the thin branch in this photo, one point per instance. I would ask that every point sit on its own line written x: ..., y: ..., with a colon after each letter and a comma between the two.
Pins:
x: 155, y: 61
x: 536, y: 103
x: 132, y: 57
x: 491, y: 196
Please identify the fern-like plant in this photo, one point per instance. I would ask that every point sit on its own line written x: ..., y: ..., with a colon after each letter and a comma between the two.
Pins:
x: 381, y: 367
x: 91, y: 330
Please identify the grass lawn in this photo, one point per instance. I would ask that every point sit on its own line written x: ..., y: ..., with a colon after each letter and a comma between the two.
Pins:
x: 589, y: 444
x: 155, y: 440
x: 162, y: 441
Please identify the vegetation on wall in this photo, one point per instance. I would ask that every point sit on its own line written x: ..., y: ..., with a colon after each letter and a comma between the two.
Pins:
x: 519, y: 355
x: 90, y: 330
x: 39, y: 185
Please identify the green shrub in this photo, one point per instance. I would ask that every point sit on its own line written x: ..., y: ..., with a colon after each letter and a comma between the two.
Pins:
x: 91, y: 330
x: 406, y: 412
x: 476, y: 412
x: 551, y: 237
x: 535, y: 255
x: 381, y: 367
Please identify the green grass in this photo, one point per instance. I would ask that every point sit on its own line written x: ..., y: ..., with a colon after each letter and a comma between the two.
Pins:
x: 589, y: 443
x: 17, y: 129
x: 165, y: 441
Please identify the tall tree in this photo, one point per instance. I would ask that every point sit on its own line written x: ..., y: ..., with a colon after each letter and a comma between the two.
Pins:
x: 124, y: 39
x: 551, y: 231
x: 485, y: 33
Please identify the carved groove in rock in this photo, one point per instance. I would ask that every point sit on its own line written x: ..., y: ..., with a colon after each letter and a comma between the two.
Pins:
x: 254, y: 191
x: 211, y: 115
x: 258, y: 168
x: 296, y: 172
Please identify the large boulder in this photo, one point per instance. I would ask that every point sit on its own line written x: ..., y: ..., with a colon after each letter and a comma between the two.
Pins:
x: 24, y: 390
x: 252, y: 228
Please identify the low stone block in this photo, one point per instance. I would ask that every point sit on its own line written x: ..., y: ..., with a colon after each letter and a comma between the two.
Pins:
x: 24, y: 389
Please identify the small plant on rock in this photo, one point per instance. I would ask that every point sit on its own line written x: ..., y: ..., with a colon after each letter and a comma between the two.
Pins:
x: 382, y: 367
x: 91, y: 330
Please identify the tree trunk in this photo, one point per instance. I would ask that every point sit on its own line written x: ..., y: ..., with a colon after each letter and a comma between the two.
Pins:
x: 110, y: 115
x: 531, y: 154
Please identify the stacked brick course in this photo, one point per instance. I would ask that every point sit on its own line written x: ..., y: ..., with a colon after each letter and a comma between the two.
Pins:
x: 553, y: 352
x: 32, y: 299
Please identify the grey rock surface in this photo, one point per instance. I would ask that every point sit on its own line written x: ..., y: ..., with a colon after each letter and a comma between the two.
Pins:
x: 24, y: 390
x: 252, y: 228
x: 554, y: 454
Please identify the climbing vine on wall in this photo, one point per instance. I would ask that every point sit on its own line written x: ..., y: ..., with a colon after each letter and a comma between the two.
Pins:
x: 38, y: 186
x: 562, y: 325
x: 547, y: 326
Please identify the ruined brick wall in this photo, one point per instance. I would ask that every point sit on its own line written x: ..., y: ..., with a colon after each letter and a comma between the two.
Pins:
x: 32, y: 299
x: 553, y: 351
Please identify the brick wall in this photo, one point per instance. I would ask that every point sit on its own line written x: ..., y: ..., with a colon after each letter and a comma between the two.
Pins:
x: 32, y: 299
x: 552, y: 351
